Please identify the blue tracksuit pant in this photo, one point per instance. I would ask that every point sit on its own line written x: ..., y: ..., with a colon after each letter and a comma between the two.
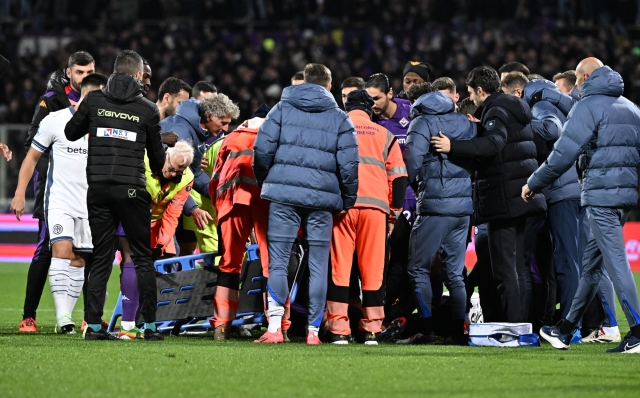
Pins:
x: 446, y: 236
x: 605, y: 250
x: 283, y: 225
x: 606, y: 294
x: 564, y: 225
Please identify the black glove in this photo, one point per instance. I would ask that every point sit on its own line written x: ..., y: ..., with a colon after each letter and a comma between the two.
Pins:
x: 157, y: 252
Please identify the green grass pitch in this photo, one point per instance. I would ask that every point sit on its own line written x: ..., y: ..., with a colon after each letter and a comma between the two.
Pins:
x: 52, y: 365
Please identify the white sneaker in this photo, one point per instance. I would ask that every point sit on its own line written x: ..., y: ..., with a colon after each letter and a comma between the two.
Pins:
x: 604, y: 335
x: 65, y: 325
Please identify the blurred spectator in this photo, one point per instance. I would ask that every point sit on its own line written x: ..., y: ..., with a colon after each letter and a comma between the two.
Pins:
x: 250, y: 48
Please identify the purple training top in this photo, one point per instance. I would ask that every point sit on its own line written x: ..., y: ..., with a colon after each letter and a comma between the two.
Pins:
x: 399, y: 122
x: 398, y: 125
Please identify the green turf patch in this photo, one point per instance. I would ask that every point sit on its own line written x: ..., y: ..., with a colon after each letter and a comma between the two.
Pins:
x: 46, y: 364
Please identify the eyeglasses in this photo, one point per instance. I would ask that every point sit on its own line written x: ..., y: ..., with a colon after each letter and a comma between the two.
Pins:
x: 170, y: 168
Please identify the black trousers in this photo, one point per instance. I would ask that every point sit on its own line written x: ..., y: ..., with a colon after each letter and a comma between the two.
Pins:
x: 482, y: 277
x: 109, y: 205
x: 38, y: 272
x: 539, y: 261
x: 506, y: 247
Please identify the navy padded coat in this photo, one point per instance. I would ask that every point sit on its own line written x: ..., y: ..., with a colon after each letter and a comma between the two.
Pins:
x: 550, y: 107
x: 603, y: 132
x: 306, y: 153
x: 444, y: 182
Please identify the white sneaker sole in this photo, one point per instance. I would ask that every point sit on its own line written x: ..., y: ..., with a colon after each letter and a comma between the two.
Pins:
x: 340, y: 342
x: 554, y: 341
x: 371, y: 343
x: 634, y: 350
x: 597, y: 337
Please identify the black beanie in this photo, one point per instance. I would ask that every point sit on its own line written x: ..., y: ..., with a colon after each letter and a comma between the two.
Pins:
x: 422, y: 69
x: 261, y: 111
x: 359, y: 99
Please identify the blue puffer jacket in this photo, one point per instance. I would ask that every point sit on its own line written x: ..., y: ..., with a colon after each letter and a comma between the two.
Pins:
x: 444, y: 182
x: 186, y: 123
x: 603, y: 130
x: 306, y: 153
x: 550, y: 107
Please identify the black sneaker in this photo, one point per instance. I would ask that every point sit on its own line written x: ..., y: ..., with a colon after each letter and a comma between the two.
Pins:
x: 338, y: 339
x: 102, y: 334
x: 457, y: 340
x: 630, y: 345
x: 150, y: 335
x: 395, y: 329
x: 419, y: 339
x: 553, y: 335
x: 370, y: 339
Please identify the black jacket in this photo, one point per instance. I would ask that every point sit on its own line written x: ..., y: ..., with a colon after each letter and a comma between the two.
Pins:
x: 506, y: 155
x: 53, y: 100
x: 121, y: 124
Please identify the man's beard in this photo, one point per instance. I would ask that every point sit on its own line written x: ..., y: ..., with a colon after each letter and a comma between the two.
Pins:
x: 170, y: 110
x: 75, y: 86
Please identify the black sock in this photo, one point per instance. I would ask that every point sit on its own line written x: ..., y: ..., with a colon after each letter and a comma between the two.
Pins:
x: 635, y: 331
x: 567, y: 327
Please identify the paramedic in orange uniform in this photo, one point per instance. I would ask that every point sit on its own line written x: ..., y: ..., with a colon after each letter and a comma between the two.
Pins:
x: 239, y: 209
x: 365, y: 227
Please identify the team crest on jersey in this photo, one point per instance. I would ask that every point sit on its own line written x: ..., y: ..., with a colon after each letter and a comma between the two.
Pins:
x: 57, y: 229
x: 404, y: 122
x: 116, y: 133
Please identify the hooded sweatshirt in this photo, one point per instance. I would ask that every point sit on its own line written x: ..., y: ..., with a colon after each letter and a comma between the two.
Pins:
x: 121, y: 124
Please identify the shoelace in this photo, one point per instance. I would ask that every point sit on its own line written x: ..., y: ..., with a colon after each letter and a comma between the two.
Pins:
x: 30, y: 322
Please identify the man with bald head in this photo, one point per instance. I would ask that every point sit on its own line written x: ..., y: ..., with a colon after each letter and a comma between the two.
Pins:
x: 610, y: 125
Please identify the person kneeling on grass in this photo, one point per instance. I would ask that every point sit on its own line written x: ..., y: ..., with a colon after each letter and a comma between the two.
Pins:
x: 168, y: 192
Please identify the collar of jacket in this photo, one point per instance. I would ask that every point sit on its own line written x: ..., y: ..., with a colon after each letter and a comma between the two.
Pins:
x: 123, y: 87
x: 486, y: 105
x: 359, y: 113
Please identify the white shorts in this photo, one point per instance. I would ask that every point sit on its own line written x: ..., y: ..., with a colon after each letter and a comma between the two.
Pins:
x: 63, y: 226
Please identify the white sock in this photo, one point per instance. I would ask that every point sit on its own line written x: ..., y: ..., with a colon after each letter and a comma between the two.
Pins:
x: 124, y: 325
x: 611, y: 330
x: 276, y: 311
x: 76, y: 280
x: 275, y: 323
x: 314, y: 330
x: 59, y: 282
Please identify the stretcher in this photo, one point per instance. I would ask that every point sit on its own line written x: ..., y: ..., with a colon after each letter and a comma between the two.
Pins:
x: 185, y: 297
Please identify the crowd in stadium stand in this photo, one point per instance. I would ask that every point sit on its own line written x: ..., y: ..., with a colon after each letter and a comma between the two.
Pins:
x: 253, y: 66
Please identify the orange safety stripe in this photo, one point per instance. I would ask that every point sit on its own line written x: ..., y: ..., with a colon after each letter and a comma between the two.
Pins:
x: 380, y: 163
x: 372, y: 318
x: 337, y: 318
x: 225, y: 305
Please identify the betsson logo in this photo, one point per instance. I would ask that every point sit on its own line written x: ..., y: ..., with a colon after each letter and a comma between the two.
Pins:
x: 118, y: 115
x: 80, y: 151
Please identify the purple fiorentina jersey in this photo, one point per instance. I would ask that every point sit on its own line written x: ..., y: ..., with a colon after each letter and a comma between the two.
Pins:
x: 399, y: 122
x: 398, y: 125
